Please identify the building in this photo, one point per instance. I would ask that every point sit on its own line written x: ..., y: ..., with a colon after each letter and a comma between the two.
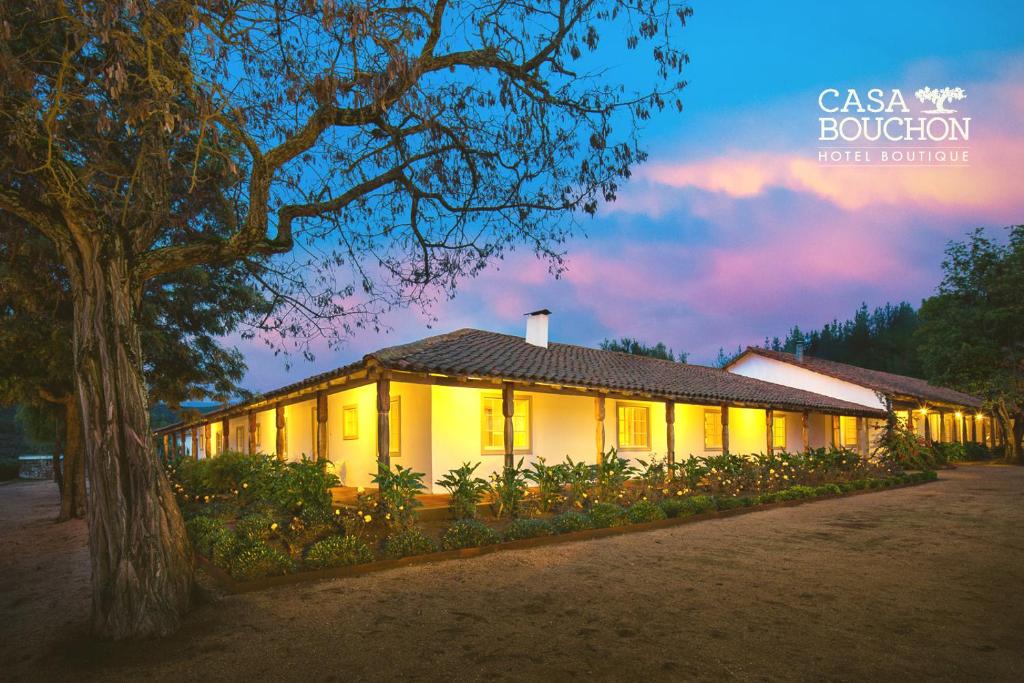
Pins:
x: 936, y: 413
x: 437, y: 403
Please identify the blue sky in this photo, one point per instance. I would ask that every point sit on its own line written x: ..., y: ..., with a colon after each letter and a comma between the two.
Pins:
x: 728, y: 235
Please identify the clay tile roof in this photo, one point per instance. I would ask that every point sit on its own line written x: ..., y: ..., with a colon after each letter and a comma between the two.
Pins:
x: 489, y: 354
x: 885, y: 382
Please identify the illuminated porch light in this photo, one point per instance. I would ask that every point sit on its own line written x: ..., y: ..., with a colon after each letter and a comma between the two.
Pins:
x: 958, y: 414
x: 923, y: 411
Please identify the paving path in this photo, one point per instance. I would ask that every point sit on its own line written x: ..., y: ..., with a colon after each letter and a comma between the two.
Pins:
x: 924, y: 582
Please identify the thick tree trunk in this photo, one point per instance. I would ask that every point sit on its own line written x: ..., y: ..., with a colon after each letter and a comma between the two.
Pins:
x: 72, y: 493
x: 141, y: 560
x: 1011, y: 449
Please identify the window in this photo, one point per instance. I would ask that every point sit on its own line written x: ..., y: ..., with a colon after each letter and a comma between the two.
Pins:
x: 779, y: 431
x: 949, y: 427
x: 634, y: 426
x: 712, y: 429
x: 240, y: 439
x: 850, y: 431
x: 220, y: 442
x: 256, y: 435
x: 395, y: 428
x: 492, y: 426
x: 350, y: 422
x: 934, y: 426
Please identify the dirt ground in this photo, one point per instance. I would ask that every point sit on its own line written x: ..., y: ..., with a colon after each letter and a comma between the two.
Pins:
x: 924, y: 582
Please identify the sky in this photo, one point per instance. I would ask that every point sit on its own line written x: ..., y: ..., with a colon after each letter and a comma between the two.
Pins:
x: 733, y: 231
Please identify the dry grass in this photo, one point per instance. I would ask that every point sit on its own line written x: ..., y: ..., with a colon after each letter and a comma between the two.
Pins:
x: 924, y: 582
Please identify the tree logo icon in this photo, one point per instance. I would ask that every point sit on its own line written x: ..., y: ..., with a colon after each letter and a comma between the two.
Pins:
x: 938, y: 97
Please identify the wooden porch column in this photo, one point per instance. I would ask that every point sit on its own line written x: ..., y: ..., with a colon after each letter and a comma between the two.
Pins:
x: 599, y: 428
x: 321, y: 424
x: 252, y: 432
x: 225, y: 427
x: 805, y: 430
x: 862, y: 435
x: 281, y: 433
x: 508, y: 407
x: 167, y: 450
x: 725, y: 430
x: 927, y: 429
x: 963, y: 427
x: 835, y: 431
x: 207, y: 438
x: 942, y: 427
x: 769, y: 430
x: 670, y: 431
x: 383, y: 421
x: 195, y: 442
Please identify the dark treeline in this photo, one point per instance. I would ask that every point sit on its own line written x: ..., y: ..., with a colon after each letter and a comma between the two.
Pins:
x: 882, y: 339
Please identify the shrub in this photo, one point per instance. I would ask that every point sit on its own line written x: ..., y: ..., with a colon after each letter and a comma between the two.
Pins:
x: 550, y: 482
x: 223, y: 547
x: 509, y: 490
x: 644, y: 511
x: 571, y: 521
x: 528, y: 528
x: 338, y: 551
x: 397, y: 491
x: 258, y: 527
x: 464, y: 490
x: 655, y: 475
x: 798, y: 492
x: 611, y: 475
x: 977, y: 451
x: 603, y: 515
x: 468, y: 533
x: 201, y: 531
x: 258, y: 559
x: 731, y: 502
x: 701, y: 503
x: 579, y: 481
x: 406, y: 542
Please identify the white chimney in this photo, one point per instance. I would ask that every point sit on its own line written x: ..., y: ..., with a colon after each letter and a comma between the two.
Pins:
x: 800, y: 351
x: 537, y: 328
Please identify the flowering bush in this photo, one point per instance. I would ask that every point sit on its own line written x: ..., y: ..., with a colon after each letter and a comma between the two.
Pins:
x: 397, y: 492
x: 338, y: 551
x: 550, y: 483
x: 611, y: 475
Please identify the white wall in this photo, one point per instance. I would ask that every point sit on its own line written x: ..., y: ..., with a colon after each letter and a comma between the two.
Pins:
x: 787, y: 374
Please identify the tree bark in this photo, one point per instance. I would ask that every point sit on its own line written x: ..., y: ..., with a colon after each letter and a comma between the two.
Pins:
x: 72, y: 495
x: 1011, y: 449
x: 141, y: 560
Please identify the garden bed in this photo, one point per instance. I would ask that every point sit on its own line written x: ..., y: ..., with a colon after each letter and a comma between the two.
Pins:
x: 732, y: 507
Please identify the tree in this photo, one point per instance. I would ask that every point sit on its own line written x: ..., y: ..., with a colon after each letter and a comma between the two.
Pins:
x: 181, y: 317
x: 639, y: 348
x: 971, y: 330
x: 410, y: 143
x: 938, y: 97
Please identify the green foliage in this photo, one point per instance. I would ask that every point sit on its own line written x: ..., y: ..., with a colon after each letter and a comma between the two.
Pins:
x: 579, y: 483
x: 611, y: 475
x: 468, y: 533
x: 683, y: 506
x: 257, y: 559
x: 949, y: 452
x: 828, y: 489
x: 202, y: 531
x: 644, y: 511
x: 464, y: 489
x: 406, y: 542
x: 655, y: 475
x: 304, y: 487
x: 604, y: 515
x: 970, y: 336
x: 397, y: 493
x: 570, y: 521
x: 550, y: 483
x: 528, y: 528
x: 256, y: 527
x: 977, y: 451
x: 509, y: 490
x: 639, y: 348
x: 338, y: 551
x: 223, y: 547
x: 882, y: 339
